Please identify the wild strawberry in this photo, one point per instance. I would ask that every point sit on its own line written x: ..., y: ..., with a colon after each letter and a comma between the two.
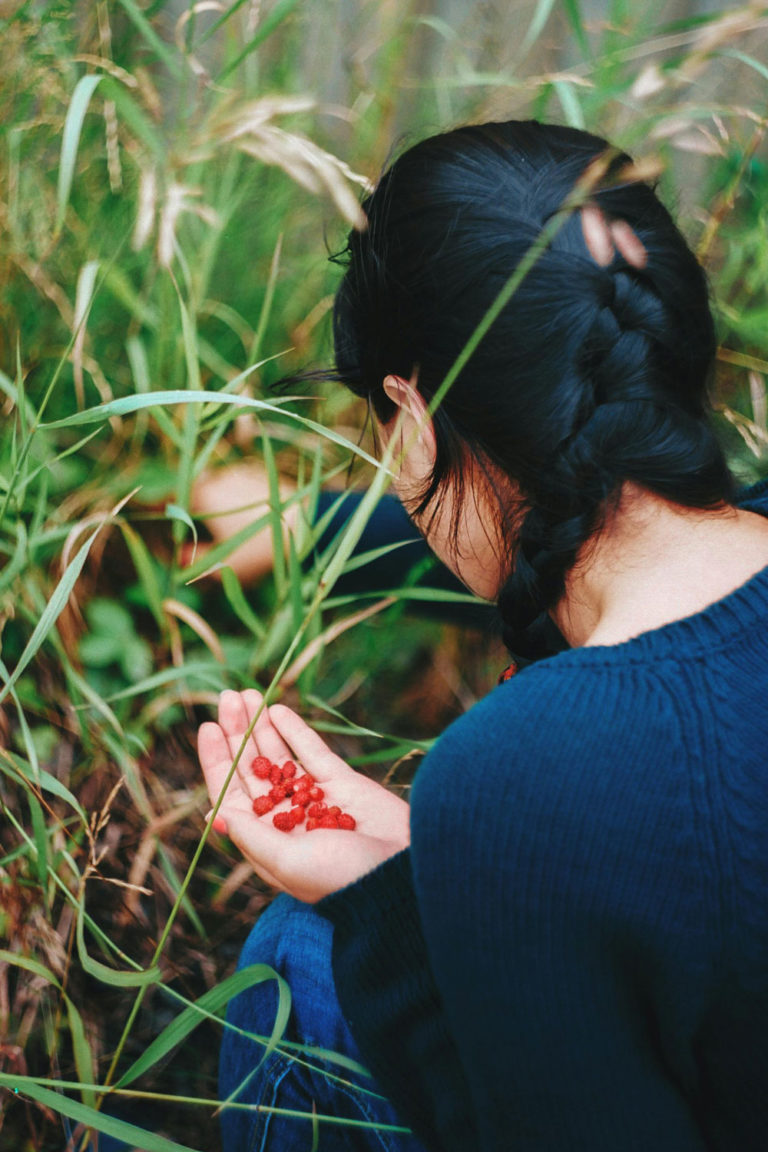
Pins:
x: 327, y: 822
x: 262, y: 805
x: 316, y: 793
x: 334, y: 810
x: 275, y: 775
x: 297, y: 815
x: 283, y: 821
x: 277, y: 793
x: 299, y: 797
x: 288, y: 770
x: 311, y: 824
x: 305, y: 781
x: 261, y: 767
x: 317, y: 810
x: 347, y: 822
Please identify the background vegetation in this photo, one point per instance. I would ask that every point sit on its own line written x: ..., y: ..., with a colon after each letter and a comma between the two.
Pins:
x: 171, y: 177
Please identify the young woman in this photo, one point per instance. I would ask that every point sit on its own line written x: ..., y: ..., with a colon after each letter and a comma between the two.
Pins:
x: 563, y: 944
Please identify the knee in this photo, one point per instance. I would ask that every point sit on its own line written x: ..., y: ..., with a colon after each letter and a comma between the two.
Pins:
x: 288, y: 936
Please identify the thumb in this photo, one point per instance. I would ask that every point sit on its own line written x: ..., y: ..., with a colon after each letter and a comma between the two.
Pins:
x: 259, y: 842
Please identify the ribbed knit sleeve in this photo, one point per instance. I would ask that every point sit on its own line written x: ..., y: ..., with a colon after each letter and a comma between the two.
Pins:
x: 388, y: 995
x: 573, y: 957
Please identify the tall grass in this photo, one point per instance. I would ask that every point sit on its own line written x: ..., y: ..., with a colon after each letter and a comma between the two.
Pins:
x: 165, y: 185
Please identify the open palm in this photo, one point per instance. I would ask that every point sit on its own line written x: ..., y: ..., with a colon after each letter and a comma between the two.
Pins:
x: 309, y: 865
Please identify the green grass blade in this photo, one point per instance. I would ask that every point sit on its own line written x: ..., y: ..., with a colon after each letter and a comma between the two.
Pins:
x: 39, y: 834
x: 51, y: 613
x: 573, y: 12
x: 50, y: 784
x: 239, y: 604
x: 270, y: 22
x: 145, y: 570
x: 80, y: 1047
x: 539, y: 19
x: 147, y: 32
x: 128, y: 404
x: 99, y: 1121
x: 178, y: 1030
x: 70, y: 139
x: 574, y: 115
x: 112, y: 976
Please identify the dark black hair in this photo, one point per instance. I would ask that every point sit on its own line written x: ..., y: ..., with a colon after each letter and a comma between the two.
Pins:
x: 590, y: 376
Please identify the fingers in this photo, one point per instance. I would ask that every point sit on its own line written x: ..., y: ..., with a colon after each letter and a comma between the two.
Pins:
x: 269, y: 741
x: 236, y: 713
x: 215, y: 760
x: 313, y: 753
x: 259, y: 842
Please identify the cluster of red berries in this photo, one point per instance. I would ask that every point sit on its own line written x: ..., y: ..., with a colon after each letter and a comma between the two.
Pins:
x: 307, y: 799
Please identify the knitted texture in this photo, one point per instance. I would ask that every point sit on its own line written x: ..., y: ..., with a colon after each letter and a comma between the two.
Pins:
x: 573, y: 956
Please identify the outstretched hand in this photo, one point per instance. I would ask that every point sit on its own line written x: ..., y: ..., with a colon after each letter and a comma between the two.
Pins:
x: 308, y: 865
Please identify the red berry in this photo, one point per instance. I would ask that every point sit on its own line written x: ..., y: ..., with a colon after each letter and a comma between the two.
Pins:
x: 288, y: 770
x: 317, y: 810
x: 347, y: 822
x: 277, y: 793
x: 262, y: 805
x: 305, y: 781
x: 311, y: 824
x: 261, y: 767
x: 283, y: 821
x: 316, y: 793
x: 327, y: 822
x: 297, y: 815
x: 334, y: 810
x: 275, y: 775
x: 299, y: 798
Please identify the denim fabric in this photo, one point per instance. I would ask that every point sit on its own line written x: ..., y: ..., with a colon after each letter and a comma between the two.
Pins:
x: 296, y: 942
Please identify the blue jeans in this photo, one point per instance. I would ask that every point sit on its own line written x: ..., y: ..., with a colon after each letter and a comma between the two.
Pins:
x: 294, y: 940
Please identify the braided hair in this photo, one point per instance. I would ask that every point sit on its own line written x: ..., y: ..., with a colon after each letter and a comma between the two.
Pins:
x: 592, y: 375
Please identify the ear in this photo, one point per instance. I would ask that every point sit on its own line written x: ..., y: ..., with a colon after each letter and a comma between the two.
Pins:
x: 412, y: 419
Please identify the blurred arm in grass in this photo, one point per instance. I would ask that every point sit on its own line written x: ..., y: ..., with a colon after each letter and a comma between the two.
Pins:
x: 230, y: 498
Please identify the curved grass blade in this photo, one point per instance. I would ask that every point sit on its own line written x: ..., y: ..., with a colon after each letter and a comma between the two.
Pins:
x: 99, y: 1121
x: 202, y: 1009
x: 108, y: 975
x: 51, y: 612
x: 81, y: 98
x: 128, y: 404
x: 80, y: 1047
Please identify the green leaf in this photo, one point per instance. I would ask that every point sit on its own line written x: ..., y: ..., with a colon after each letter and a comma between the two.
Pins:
x: 99, y: 1121
x: 174, y: 512
x: 536, y: 27
x: 112, y: 976
x: 145, y: 570
x: 80, y: 1046
x: 50, y: 784
x: 161, y: 50
x: 70, y: 139
x: 268, y: 25
x: 39, y: 833
x: 238, y: 603
x: 573, y: 12
x: 178, y: 1030
x: 126, y: 404
x: 571, y: 107
x: 51, y: 613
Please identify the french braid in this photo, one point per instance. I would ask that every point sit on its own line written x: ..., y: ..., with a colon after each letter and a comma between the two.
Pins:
x: 595, y: 371
x: 634, y: 422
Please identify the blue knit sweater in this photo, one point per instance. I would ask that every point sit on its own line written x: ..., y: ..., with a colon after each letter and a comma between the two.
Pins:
x: 573, y: 954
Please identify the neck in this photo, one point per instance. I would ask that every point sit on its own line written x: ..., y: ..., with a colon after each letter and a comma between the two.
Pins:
x: 655, y: 562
